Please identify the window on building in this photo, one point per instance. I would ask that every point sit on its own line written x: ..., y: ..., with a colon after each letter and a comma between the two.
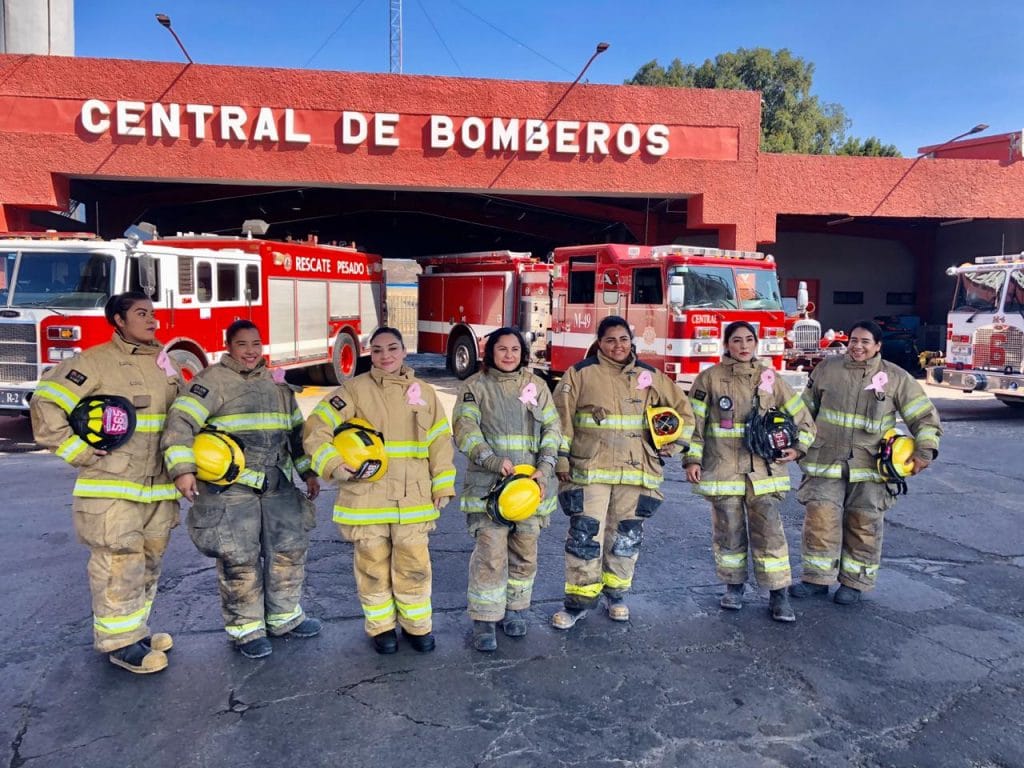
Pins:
x: 847, y: 297
x: 899, y: 298
x: 227, y: 282
x: 204, y: 281
x: 647, y: 286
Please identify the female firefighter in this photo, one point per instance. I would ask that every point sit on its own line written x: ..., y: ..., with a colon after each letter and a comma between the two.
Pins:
x: 239, y: 428
x: 610, y: 463
x: 385, y: 436
x: 750, y: 424
x: 103, y: 411
x: 503, y: 419
x: 848, y: 481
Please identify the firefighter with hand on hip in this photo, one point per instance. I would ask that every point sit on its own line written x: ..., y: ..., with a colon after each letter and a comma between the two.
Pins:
x: 103, y: 411
x: 849, y: 480
x: 620, y: 419
x: 749, y: 425
x: 239, y: 428
x: 505, y: 422
x: 385, y: 436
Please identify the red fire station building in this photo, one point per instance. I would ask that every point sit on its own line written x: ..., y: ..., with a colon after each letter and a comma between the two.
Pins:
x: 409, y: 165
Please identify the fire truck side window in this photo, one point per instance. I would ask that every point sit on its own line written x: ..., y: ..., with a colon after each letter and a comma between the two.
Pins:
x: 647, y: 286
x: 1015, y: 292
x: 582, y: 280
x: 227, y: 282
x: 252, y: 282
x: 204, y: 281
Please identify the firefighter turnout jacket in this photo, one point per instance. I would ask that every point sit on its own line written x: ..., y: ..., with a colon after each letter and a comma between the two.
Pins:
x: 723, y: 398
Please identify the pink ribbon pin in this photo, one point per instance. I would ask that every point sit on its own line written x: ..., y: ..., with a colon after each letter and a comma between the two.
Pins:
x: 277, y: 375
x: 529, y: 394
x: 767, y: 382
x: 644, y: 380
x: 878, y: 382
x: 414, y: 395
x: 163, y: 362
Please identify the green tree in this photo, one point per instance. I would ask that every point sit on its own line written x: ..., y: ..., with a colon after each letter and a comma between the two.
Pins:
x: 792, y: 119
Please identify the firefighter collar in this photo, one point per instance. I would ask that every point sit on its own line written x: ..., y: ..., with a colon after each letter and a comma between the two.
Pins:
x: 404, y: 376
x: 233, y: 365
x: 131, y: 348
x: 628, y: 365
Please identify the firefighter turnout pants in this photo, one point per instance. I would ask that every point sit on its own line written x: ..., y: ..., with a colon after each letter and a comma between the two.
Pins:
x: 393, y: 575
x: 126, y: 543
x: 260, y: 543
x: 605, y: 533
x: 739, y: 521
x: 843, y: 525
x: 502, y: 567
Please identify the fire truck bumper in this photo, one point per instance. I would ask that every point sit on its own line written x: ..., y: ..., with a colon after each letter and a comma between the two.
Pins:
x: 1010, y: 384
x: 14, y: 400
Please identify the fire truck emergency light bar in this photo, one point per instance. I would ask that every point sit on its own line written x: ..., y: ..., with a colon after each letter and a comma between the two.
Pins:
x: 658, y: 251
x: 1007, y: 259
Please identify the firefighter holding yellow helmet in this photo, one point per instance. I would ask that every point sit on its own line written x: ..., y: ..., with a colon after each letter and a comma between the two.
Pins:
x: 507, y: 425
x: 233, y: 443
x: 749, y: 425
x: 857, y: 465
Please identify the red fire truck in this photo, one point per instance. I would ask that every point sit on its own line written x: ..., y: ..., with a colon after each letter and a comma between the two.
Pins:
x: 315, y: 305
x: 677, y: 298
x: 985, y: 330
x: 806, y: 345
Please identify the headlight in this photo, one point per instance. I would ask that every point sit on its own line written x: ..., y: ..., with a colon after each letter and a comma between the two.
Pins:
x: 56, y: 354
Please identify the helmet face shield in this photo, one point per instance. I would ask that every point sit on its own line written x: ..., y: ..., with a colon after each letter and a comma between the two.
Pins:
x: 105, y: 422
x: 664, y: 426
x: 362, y: 450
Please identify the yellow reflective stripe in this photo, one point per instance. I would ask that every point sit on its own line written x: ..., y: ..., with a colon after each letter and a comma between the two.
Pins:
x: 771, y: 564
x: 486, y: 598
x: 818, y: 562
x: 322, y: 455
x: 804, y: 438
x: 150, y: 422
x: 380, y: 611
x: 916, y: 406
x: 695, y: 451
x: 549, y: 442
x: 116, y: 625
x: 612, y: 581
x: 687, y: 431
x: 279, y: 619
x: 519, y: 583
x: 717, y: 430
x: 471, y: 441
x: 928, y: 436
x: 303, y: 464
x: 615, y: 477
x: 238, y: 631
x: 700, y: 408
x: 353, y: 516
x: 864, y: 475
x: 856, y: 421
x: 54, y: 392
x: 296, y: 417
x: 440, y: 428
x: 442, y: 481
x: 406, y: 449
x: 549, y: 415
x: 617, y: 421
x: 192, y: 407
x: 465, y: 410
x: 547, y: 506
x: 514, y: 443
x: 179, y: 454
x: 472, y: 504
x: 773, y: 484
x: 794, y: 405
x: 124, y: 489
x: 727, y: 560
x: 252, y: 478
x: 834, y: 471
x: 71, y: 448
x: 850, y: 565
x: 584, y: 590
x: 252, y: 422
x: 413, y: 611
x: 721, y: 487
x: 327, y: 413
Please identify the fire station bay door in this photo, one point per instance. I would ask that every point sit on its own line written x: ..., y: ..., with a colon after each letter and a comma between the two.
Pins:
x: 298, y: 320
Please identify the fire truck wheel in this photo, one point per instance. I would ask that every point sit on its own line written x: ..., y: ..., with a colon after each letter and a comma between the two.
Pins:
x: 343, y: 361
x: 190, y: 364
x: 462, y: 358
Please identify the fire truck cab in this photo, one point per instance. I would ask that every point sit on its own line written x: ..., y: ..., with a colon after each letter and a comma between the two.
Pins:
x: 985, y: 330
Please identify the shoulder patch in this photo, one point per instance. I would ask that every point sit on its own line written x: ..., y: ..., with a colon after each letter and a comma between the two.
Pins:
x: 567, y: 387
x: 585, y: 362
x: 76, y: 376
x: 338, y: 403
x: 199, y: 389
x: 468, y: 398
x: 700, y: 394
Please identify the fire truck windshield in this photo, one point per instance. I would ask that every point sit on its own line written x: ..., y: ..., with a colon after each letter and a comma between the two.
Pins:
x: 979, y: 291
x: 726, y: 288
x: 69, y: 279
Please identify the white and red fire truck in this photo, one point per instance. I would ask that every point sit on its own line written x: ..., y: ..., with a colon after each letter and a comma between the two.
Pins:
x: 806, y: 345
x: 315, y: 305
x: 677, y: 298
x: 985, y: 330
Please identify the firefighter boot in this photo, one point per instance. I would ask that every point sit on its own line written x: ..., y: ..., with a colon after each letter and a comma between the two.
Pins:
x: 308, y: 627
x: 483, y: 636
x: 567, y: 617
x: 386, y: 642
x: 139, y: 658
x: 847, y: 595
x: 514, y: 624
x: 617, y: 608
x: 804, y: 589
x: 732, y: 600
x: 779, y: 607
x: 420, y: 643
x: 159, y: 641
x: 256, y: 649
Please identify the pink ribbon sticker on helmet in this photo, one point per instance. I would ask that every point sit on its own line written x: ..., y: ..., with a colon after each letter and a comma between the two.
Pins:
x: 529, y: 394
x: 115, y: 420
x: 644, y: 380
x: 277, y: 375
x: 163, y: 362
x: 767, y: 382
x: 878, y: 382
x: 414, y: 395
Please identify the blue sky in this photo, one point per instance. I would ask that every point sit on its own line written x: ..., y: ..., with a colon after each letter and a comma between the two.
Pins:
x: 911, y: 72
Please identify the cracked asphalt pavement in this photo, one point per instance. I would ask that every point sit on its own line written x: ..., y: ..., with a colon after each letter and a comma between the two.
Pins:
x: 927, y: 671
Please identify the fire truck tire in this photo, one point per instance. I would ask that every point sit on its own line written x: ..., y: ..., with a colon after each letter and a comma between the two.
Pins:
x: 343, y: 361
x: 190, y: 364
x: 462, y: 357
x: 1010, y: 400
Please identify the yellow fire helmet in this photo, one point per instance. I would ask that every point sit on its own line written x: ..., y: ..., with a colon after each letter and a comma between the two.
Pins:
x: 220, y: 457
x: 665, y: 425
x: 361, y: 448
x: 514, y: 497
x: 895, y: 460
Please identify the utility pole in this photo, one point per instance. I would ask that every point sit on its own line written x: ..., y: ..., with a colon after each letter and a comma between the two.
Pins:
x: 395, y: 36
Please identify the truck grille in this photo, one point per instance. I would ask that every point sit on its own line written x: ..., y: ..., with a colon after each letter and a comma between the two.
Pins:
x: 998, y: 349
x: 19, y: 353
x: 807, y: 335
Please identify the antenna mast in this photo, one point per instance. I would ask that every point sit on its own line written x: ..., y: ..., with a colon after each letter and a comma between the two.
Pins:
x: 395, y: 36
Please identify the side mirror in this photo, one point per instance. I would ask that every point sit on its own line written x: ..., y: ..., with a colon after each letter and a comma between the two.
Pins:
x: 147, y: 274
x: 676, y: 290
x: 802, y: 299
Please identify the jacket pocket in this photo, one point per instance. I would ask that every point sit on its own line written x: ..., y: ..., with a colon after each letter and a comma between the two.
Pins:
x: 114, y: 463
x: 205, y: 520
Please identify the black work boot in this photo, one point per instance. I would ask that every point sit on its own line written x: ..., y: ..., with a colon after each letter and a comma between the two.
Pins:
x: 484, y: 638
x: 256, y: 649
x: 779, y: 607
x: 847, y: 595
x: 308, y: 627
x: 385, y: 642
x: 420, y: 643
x: 804, y: 589
x: 514, y: 624
x: 732, y: 600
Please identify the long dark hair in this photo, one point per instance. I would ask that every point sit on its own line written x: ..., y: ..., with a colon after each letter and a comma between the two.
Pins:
x: 492, y: 342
